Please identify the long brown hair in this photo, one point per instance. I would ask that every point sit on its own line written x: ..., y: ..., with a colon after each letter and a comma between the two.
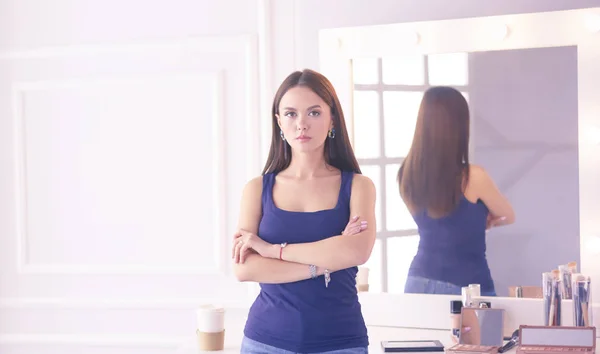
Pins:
x: 338, y: 151
x: 436, y: 168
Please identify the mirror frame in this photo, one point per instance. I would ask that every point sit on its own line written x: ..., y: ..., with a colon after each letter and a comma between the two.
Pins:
x: 580, y: 27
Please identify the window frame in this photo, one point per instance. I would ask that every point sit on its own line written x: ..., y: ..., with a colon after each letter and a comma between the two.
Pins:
x: 383, y: 161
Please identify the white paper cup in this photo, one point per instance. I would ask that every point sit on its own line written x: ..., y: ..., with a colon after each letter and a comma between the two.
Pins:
x: 210, y: 319
x: 362, y: 277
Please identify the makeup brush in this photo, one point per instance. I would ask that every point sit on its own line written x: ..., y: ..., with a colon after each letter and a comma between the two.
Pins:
x: 512, y: 342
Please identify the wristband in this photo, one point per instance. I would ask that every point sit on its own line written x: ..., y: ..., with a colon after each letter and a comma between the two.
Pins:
x: 282, y: 245
x: 313, y: 271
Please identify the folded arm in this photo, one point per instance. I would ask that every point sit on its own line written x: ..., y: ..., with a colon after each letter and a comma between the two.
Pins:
x: 341, y: 252
x: 255, y: 267
x: 498, y: 205
x: 259, y: 269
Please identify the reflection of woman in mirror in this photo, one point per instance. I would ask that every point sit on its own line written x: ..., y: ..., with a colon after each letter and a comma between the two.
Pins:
x: 452, y: 201
x: 304, y: 226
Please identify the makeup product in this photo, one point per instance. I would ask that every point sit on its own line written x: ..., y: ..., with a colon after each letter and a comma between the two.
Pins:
x: 547, y: 296
x: 472, y: 349
x: 482, y: 327
x: 485, y: 305
x: 467, y: 299
x: 572, y: 267
x: 519, y: 291
x: 565, y: 277
x: 475, y: 290
x: 556, y: 339
x: 582, y: 304
x: 526, y: 291
x: 556, y: 306
x: 411, y: 346
x: 455, y: 311
x: 552, y: 298
x: 513, y: 341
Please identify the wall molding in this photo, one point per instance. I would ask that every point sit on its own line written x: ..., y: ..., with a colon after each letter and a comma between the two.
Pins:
x: 119, y: 303
x: 128, y: 341
x: 242, y: 45
x: 204, y: 44
x: 24, y: 265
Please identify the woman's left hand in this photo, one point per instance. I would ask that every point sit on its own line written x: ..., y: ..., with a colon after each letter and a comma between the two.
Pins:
x: 245, y: 242
x: 493, y: 221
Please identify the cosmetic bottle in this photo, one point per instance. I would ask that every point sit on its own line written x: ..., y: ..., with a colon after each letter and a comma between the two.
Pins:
x: 519, y: 291
x: 455, y: 312
x: 467, y: 299
x: 475, y: 290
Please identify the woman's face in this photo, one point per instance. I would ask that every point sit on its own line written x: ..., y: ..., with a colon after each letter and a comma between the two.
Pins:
x: 304, y: 118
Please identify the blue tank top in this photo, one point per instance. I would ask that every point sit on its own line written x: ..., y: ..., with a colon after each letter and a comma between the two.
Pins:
x: 452, y: 248
x: 305, y: 316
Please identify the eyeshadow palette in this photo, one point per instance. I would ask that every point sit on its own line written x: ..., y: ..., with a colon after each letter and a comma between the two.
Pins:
x: 556, y: 339
x: 472, y: 349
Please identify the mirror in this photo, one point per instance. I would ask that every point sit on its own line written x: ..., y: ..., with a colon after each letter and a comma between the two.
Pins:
x: 524, y: 132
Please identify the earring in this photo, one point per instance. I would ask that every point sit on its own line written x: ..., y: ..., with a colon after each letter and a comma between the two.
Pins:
x: 281, y: 135
x: 331, y: 133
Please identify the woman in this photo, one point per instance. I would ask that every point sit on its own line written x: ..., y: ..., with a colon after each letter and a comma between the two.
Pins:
x: 296, y: 235
x: 452, y: 201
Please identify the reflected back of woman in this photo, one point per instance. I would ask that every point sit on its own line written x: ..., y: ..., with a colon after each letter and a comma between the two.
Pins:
x: 452, y: 201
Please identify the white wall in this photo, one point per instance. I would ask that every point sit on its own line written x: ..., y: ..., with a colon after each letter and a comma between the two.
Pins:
x: 524, y: 112
x: 126, y: 135
x: 111, y: 110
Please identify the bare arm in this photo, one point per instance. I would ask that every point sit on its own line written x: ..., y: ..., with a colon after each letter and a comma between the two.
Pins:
x: 272, y: 271
x: 489, y: 193
x: 341, y: 251
x: 257, y: 268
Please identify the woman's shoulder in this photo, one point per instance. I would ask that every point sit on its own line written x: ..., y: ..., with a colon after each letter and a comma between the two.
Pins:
x: 479, y: 180
x: 362, y: 184
x: 477, y: 173
x: 253, y: 187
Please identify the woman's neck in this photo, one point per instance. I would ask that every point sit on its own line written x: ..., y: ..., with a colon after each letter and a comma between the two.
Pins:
x: 308, y: 165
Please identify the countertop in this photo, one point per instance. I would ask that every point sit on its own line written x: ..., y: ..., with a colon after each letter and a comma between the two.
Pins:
x: 233, y: 339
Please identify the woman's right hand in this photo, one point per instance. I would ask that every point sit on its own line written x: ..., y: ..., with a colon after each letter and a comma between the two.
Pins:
x: 355, y: 226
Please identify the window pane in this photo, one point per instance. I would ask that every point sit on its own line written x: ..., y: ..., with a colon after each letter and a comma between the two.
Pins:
x: 400, y: 111
x: 404, y: 70
x: 366, y: 124
x: 448, y: 69
x: 397, y: 215
x: 374, y: 173
x: 374, y: 265
x: 400, y: 253
x: 364, y: 70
